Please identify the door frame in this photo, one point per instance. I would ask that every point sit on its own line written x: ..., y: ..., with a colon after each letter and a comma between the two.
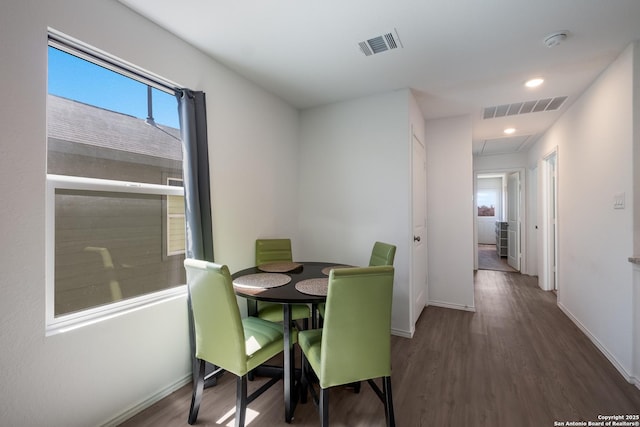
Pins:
x: 549, y: 232
x: 523, y: 212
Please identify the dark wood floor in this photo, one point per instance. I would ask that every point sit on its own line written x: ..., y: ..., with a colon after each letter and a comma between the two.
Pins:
x: 517, y: 361
x: 488, y: 259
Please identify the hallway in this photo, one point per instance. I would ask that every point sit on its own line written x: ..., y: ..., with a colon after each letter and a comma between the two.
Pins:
x: 488, y: 259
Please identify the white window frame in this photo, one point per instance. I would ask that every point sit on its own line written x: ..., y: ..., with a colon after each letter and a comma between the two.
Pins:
x: 66, y: 322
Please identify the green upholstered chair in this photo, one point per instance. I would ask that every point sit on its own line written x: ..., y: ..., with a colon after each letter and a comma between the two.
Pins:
x: 222, y: 338
x: 273, y: 250
x: 381, y: 254
x: 277, y: 250
x: 355, y: 343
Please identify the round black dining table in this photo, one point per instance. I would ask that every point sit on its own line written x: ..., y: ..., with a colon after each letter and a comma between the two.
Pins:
x: 286, y: 295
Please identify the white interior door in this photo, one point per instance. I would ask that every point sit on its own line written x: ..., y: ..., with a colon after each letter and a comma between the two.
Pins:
x: 513, y: 218
x: 419, y: 222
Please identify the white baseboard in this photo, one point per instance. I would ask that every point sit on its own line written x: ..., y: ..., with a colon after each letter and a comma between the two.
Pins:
x: 141, y: 406
x: 453, y: 306
x: 402, y: 333
x: 626, y: 375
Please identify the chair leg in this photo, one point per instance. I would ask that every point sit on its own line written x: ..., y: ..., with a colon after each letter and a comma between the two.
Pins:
x: 324, y: 407
x: 304, y: 381
x: 198, y: 387
x: 241, y: 401
x: 388, y: 402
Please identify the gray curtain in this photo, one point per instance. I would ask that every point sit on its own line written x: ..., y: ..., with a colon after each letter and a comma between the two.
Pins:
x: 195, y: 170
x: 197, y: 196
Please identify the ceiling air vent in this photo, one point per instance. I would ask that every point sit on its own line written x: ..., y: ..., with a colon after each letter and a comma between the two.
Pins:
x: 381, y: 43
x: 504, y: 110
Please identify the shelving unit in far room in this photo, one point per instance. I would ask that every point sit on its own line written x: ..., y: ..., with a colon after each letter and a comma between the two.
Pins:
x: 501, y: 238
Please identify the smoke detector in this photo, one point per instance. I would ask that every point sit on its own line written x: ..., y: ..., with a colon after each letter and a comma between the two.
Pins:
x: 554, y: 39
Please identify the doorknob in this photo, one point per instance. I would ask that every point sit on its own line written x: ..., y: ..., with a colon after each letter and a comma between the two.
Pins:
x: 416, y: 238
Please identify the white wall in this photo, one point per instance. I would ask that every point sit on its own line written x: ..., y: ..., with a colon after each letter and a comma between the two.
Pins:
x: 254, y: 153
x: 636, y: 166
x: 355, y: 186
x: 636, y: 209
x: 595, y: 145
x: 93, y: 374
x: 500, y: 162
x: 450, y: 212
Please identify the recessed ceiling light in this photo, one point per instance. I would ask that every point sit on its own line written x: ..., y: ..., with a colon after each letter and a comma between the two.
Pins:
x: 534, y: 82
x: 509, y: 131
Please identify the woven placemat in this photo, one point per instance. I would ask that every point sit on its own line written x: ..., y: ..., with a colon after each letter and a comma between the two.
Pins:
x: 313, y: 286
x: 327, y: 270
x: 279, y: 267
x: 262, y: 280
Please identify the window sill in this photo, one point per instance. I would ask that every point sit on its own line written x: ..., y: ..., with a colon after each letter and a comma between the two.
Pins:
x: 88, y: 317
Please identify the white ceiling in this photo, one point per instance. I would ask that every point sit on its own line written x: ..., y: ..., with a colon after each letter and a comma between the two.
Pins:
x: 458, y: 56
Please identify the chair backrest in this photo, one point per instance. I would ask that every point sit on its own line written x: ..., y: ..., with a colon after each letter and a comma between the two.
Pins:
x: 219, y: 334
x: 356, y: 337
x: 273, y: 250
x: 382, y: 254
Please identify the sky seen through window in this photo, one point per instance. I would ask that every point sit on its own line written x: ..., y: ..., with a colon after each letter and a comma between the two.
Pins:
x: 75, y: 78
